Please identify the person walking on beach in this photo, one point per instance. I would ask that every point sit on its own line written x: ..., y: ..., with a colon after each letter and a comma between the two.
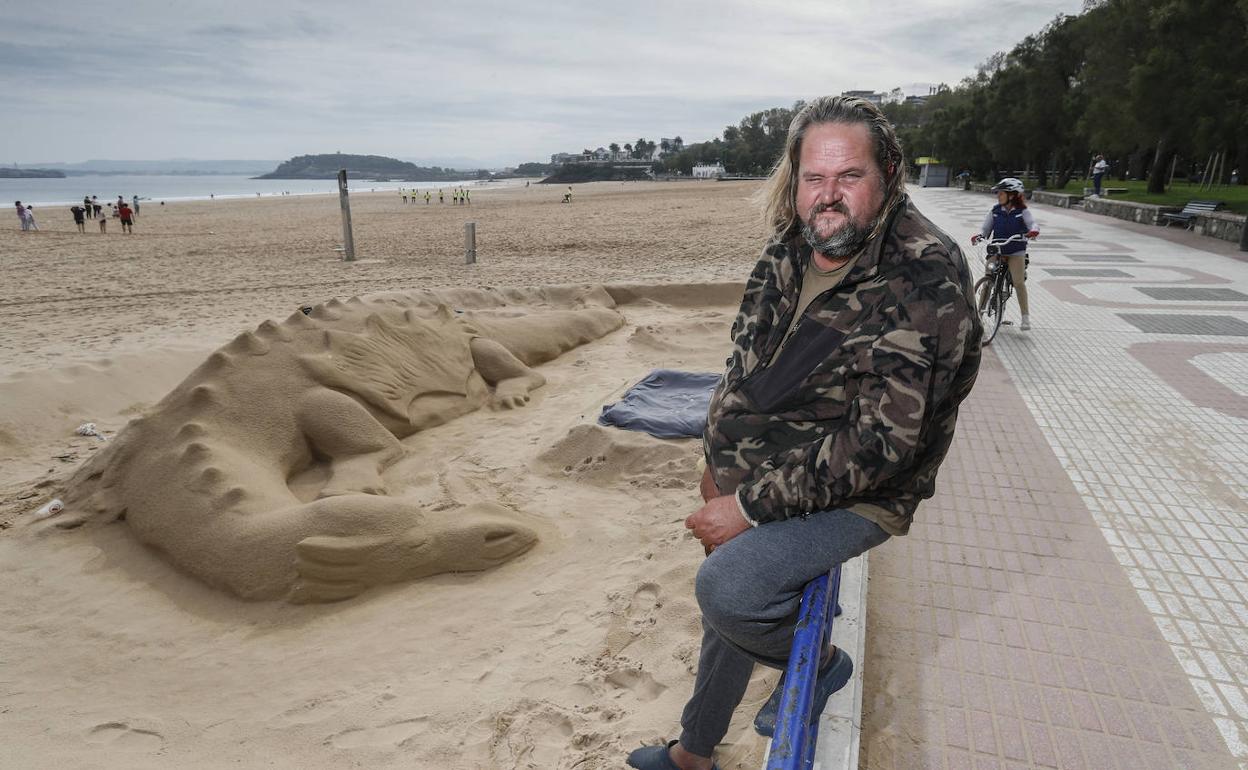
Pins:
x: 30, y: 218
x: 126, y: 216
x: 102, y: 218
x: 856, y: 340
x: 96, y: 205
x: 427, y: 197
x: 21, y: 215
x: 135, y: 201
x: 440, y: 200
x: 79, y: 220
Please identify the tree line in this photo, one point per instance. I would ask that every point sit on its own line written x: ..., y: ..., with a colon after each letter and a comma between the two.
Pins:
x: 1157, y: 86
x: 750, y: 147
x: 1154, y: 85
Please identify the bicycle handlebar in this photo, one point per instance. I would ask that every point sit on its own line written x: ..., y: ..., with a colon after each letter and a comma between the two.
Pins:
x: 1003, y: 241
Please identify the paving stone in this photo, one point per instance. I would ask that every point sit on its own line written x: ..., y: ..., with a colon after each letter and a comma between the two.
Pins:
x: 1185, y: 294
x: 1101, y: 258
x: 1174, y: 323
x: 1075, y: 272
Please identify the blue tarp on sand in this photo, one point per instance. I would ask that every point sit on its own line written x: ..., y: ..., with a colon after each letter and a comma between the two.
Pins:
x: 666, y: 404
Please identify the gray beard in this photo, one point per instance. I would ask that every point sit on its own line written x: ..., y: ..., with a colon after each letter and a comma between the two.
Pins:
x: 845, y: 242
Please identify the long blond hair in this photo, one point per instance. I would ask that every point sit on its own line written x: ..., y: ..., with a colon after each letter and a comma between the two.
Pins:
x: 778, y: 196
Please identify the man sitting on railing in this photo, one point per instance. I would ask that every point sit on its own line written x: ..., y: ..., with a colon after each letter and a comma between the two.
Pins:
x: 856, y: 340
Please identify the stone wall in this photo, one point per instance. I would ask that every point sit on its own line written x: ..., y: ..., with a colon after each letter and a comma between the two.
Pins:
x: 1144, y: 213
x: 1055, y: 199
x: 1221, y: 224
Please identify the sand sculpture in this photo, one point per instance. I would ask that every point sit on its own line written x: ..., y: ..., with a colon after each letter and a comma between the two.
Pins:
x: 204, y: 476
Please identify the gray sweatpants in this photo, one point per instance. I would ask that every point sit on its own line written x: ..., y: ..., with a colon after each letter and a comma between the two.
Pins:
x: 749, y: 590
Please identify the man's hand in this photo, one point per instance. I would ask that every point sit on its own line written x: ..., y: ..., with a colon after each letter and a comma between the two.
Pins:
x: 976, y: 238
x: 717, y: 522
x: 707, y: 487
x: 1033, y: 234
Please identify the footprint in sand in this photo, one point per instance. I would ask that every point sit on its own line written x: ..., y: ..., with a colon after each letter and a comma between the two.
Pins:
x: 639, y: 682
x: 122, y: 736
x: 391, y: 734
x: 315, y: 710
x: 535, y: 734
x: 644, y: 603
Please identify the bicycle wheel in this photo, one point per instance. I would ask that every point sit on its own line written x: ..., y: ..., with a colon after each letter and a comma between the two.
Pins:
x: 992, y: 311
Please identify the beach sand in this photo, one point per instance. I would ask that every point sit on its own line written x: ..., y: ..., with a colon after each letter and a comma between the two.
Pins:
x: 569, y: 655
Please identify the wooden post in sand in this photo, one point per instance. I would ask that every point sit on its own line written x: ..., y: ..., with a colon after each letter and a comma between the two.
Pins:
x: 470, y: 243
x: 348, y: 243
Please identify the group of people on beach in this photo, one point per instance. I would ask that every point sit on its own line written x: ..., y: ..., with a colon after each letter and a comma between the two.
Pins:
x: 91, y: 208
x: 458, y: 196
x: 26, y: 216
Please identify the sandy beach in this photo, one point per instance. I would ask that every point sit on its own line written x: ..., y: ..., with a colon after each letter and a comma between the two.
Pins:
x: 205, y: 270
x: 567, y: 656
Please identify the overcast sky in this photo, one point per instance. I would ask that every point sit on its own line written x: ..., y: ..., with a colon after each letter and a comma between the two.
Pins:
x: 500, y: 81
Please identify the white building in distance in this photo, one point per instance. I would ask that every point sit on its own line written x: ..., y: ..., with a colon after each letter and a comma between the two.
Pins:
x: 870, y: 96
x: 911, y: 93
x: 708, y: 171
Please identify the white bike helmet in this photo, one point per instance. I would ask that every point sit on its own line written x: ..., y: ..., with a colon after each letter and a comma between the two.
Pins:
x: 1009, y: 184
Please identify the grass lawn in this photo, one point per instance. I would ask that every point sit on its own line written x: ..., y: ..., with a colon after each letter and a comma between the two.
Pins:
x: 1234, y: 196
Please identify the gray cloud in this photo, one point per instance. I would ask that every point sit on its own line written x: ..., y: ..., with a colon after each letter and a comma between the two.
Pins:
x: 495, y: 80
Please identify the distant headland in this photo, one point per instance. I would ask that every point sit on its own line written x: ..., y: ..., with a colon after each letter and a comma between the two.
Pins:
x: 30, y: 173
x: 375, y: 167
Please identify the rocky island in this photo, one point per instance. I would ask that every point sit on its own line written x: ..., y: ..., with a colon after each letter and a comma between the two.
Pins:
x: 374, y: 167
x: 30, y: 173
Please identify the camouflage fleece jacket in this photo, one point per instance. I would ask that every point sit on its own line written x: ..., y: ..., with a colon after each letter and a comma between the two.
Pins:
x: 858, y: 410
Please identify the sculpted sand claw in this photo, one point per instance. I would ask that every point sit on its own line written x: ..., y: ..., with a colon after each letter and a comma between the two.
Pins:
x: 261, y: 473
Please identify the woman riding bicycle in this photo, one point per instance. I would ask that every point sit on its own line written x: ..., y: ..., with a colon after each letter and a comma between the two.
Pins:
x: 1010, y: 217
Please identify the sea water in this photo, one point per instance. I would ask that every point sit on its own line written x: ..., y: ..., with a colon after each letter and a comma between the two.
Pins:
x: 153, y: 188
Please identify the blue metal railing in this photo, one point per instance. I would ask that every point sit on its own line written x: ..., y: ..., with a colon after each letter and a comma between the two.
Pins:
x: 793, y: 743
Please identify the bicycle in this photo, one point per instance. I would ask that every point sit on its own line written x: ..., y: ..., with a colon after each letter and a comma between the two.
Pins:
x: 999, y: 287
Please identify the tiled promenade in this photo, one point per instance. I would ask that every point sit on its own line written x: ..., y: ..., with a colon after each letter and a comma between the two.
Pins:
x: 1075, y: 595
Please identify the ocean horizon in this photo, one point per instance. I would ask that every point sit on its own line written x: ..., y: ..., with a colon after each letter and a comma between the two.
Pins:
x: 152, y: 189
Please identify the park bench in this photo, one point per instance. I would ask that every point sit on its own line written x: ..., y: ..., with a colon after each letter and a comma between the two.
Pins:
x: 1189, y: 213
x: 1105, y: 191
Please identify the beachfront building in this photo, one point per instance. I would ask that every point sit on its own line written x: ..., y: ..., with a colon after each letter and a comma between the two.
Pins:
x: 660, y: 150
x: 913, y: 93
x: 708, y: 170
x: 871, y: 96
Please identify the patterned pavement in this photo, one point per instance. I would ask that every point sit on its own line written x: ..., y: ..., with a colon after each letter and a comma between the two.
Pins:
x: 1075, y: 595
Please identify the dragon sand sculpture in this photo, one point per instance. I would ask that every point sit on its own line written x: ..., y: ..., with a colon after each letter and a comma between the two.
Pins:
x: 204, y: 477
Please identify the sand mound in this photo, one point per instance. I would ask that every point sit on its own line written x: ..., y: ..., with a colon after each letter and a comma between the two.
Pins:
x: 610, y: 457
x: 681, y: 337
